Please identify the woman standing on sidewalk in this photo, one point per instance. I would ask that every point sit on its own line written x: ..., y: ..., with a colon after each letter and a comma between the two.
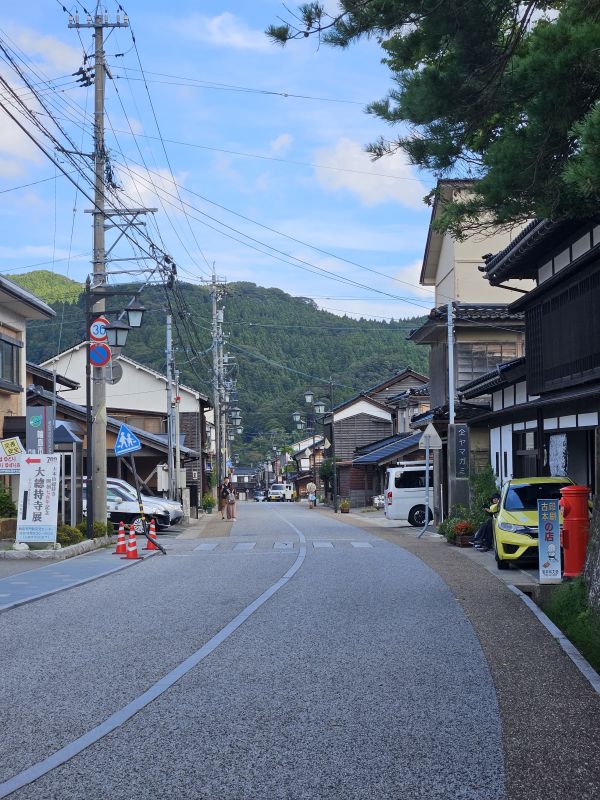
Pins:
x: 223, y: 497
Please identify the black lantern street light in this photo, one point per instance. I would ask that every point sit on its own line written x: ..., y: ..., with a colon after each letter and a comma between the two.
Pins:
x: 318, y: 410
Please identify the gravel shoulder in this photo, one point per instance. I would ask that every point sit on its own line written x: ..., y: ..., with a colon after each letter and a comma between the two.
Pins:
x: 550, y: 714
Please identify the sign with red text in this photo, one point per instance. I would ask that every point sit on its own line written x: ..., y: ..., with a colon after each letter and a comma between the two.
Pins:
x: 37, y: 514
x: 549, y: 541
x: 10, y: 456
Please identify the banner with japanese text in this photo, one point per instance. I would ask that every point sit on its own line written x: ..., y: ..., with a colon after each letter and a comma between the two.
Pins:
x: 37, y: 515
x: 549, y: 541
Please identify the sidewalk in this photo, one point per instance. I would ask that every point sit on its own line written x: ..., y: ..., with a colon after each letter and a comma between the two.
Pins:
x: 44, y: 579
x: 524, y: 579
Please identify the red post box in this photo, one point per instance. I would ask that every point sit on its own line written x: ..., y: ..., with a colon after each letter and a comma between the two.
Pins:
x: 575, y: 529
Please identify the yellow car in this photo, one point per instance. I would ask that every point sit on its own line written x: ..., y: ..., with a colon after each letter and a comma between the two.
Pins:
x: 516, y: 517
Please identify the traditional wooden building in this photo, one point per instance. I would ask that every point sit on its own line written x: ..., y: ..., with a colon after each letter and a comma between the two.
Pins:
x: 546, y: 406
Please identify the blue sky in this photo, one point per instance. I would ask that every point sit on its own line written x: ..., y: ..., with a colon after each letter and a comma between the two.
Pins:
x: 294, y: 165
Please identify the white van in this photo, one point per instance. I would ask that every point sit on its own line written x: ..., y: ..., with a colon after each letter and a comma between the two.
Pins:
x: 280, y: 492
x: 405, y: 493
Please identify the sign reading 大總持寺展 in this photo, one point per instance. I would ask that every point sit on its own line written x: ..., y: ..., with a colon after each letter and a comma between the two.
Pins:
x: 37, y: 514
x: 10, y: 456
x: 549, y: 541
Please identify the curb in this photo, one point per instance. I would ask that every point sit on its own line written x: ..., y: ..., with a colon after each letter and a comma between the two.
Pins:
x: 586, y: 669
x: 60, y: 555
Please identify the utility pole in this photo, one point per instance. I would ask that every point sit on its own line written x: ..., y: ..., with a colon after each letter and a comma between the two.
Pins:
x: 177, y: 445
x: 216, y: 293
x: 98, y: 473
x: 170, y: 426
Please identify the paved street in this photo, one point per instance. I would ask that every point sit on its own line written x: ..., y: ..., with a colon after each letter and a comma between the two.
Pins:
x: 365, y: 674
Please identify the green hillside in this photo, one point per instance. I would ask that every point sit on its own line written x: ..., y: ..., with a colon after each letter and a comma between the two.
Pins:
x: 49, y: 286
x: 278, y: 342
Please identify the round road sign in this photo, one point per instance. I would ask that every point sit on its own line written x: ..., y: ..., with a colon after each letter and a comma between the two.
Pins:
x: 98, y: 329
x: 99, y: 355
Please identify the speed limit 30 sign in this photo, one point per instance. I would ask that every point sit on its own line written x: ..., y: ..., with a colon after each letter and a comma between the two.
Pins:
x: 98, y: 329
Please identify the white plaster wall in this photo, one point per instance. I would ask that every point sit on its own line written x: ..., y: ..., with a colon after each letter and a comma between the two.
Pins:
x: 137, y: 390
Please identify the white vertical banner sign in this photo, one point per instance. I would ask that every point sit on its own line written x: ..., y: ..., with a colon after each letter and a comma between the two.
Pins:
x: 549, y: 541
x: 37, y: 515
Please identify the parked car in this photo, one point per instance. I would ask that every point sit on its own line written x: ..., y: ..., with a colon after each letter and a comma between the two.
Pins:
x: 121, y: 508
x: 174, y: 508
x: 405, y: 493
x: 516, y: 518
x: 260, y: 496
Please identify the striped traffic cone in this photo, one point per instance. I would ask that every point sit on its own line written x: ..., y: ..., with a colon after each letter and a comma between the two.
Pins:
x: 151, y: 542
x: 121, y: 546
x: 132, y: 551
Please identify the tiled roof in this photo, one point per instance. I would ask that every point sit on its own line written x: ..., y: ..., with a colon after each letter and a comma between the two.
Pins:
x: 414, y: 391
x: 470, y: 313
x: 519, y: 255
x: 492, y: 378
x: 463, y: 412
x: 367, y: 448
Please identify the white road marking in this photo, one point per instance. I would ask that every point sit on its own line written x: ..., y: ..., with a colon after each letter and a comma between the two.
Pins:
x: 361, y: 544
x: 322, y: 544
x: 206, y: 546
x: 283, y: 546
x: 245, y: 546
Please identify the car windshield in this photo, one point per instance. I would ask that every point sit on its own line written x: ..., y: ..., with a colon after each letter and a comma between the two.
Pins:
x: 526, y: 496
x: 278, y: 487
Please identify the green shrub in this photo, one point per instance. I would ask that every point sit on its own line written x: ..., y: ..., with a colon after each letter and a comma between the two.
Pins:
x: 99, y: 528
x: 208, y: 501
x: 67, y: 535
x: 483, y: 486
x: 7, y: 507
x: 457, y: 514
x: 569, y: 610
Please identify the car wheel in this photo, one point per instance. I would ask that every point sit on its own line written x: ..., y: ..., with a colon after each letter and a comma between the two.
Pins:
x: 416, y: 516
x: 138, y: 525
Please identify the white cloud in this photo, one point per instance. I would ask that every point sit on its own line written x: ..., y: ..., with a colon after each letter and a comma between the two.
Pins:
x: 225, y: 30
x: 49, y: 53
x: 409, y: 274
x: 16, y: 149
x: 281, y: 144
x: 372, y: 189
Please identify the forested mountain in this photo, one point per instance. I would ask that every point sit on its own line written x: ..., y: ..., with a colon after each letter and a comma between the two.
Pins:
x: 281, y: 345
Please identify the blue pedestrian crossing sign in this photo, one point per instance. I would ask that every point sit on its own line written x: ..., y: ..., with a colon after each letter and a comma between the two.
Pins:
x: 127, y: 442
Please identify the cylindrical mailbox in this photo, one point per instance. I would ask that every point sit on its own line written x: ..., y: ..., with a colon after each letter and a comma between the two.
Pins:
x: 575, y: 529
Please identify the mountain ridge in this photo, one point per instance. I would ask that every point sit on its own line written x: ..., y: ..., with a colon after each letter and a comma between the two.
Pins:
x: 280, y: 345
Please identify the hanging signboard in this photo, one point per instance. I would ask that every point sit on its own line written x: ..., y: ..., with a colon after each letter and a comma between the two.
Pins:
x: 549, y: 541
x: 10, y: 456
x: 37, y: 514
x: 39, y: 429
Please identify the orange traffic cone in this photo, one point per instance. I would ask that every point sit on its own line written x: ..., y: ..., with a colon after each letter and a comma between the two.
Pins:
x: 151, y: 545
x: 121, y: 546
x: 132, y: 551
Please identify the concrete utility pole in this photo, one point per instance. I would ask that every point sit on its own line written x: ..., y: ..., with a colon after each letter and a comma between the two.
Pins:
x: 98, y: 23
x: 170, y: 426
x: 216, y: 292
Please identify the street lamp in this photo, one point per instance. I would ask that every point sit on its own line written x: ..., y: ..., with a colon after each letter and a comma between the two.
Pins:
x: 135, y: 313
x: 297, y: 417
x: 308, y: 397
x: 116, y: 333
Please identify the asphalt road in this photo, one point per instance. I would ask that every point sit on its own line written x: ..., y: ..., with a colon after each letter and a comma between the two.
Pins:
x: 360, y: 677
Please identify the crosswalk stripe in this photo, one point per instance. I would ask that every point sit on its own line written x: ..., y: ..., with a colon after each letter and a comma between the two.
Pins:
x: 322, y: 544
x: 361, y: 544
x: 207, y: 546
x: 244, y: 546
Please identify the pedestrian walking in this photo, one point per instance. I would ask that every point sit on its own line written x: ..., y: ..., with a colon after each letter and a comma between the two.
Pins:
x: 224, y: 496
x: 231, y: 504
x: 311, y: 488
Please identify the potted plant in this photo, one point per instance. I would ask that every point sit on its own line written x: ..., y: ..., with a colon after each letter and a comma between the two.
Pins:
x: 463, y: 531
x: 345, y: 506
x: 208, y: 502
